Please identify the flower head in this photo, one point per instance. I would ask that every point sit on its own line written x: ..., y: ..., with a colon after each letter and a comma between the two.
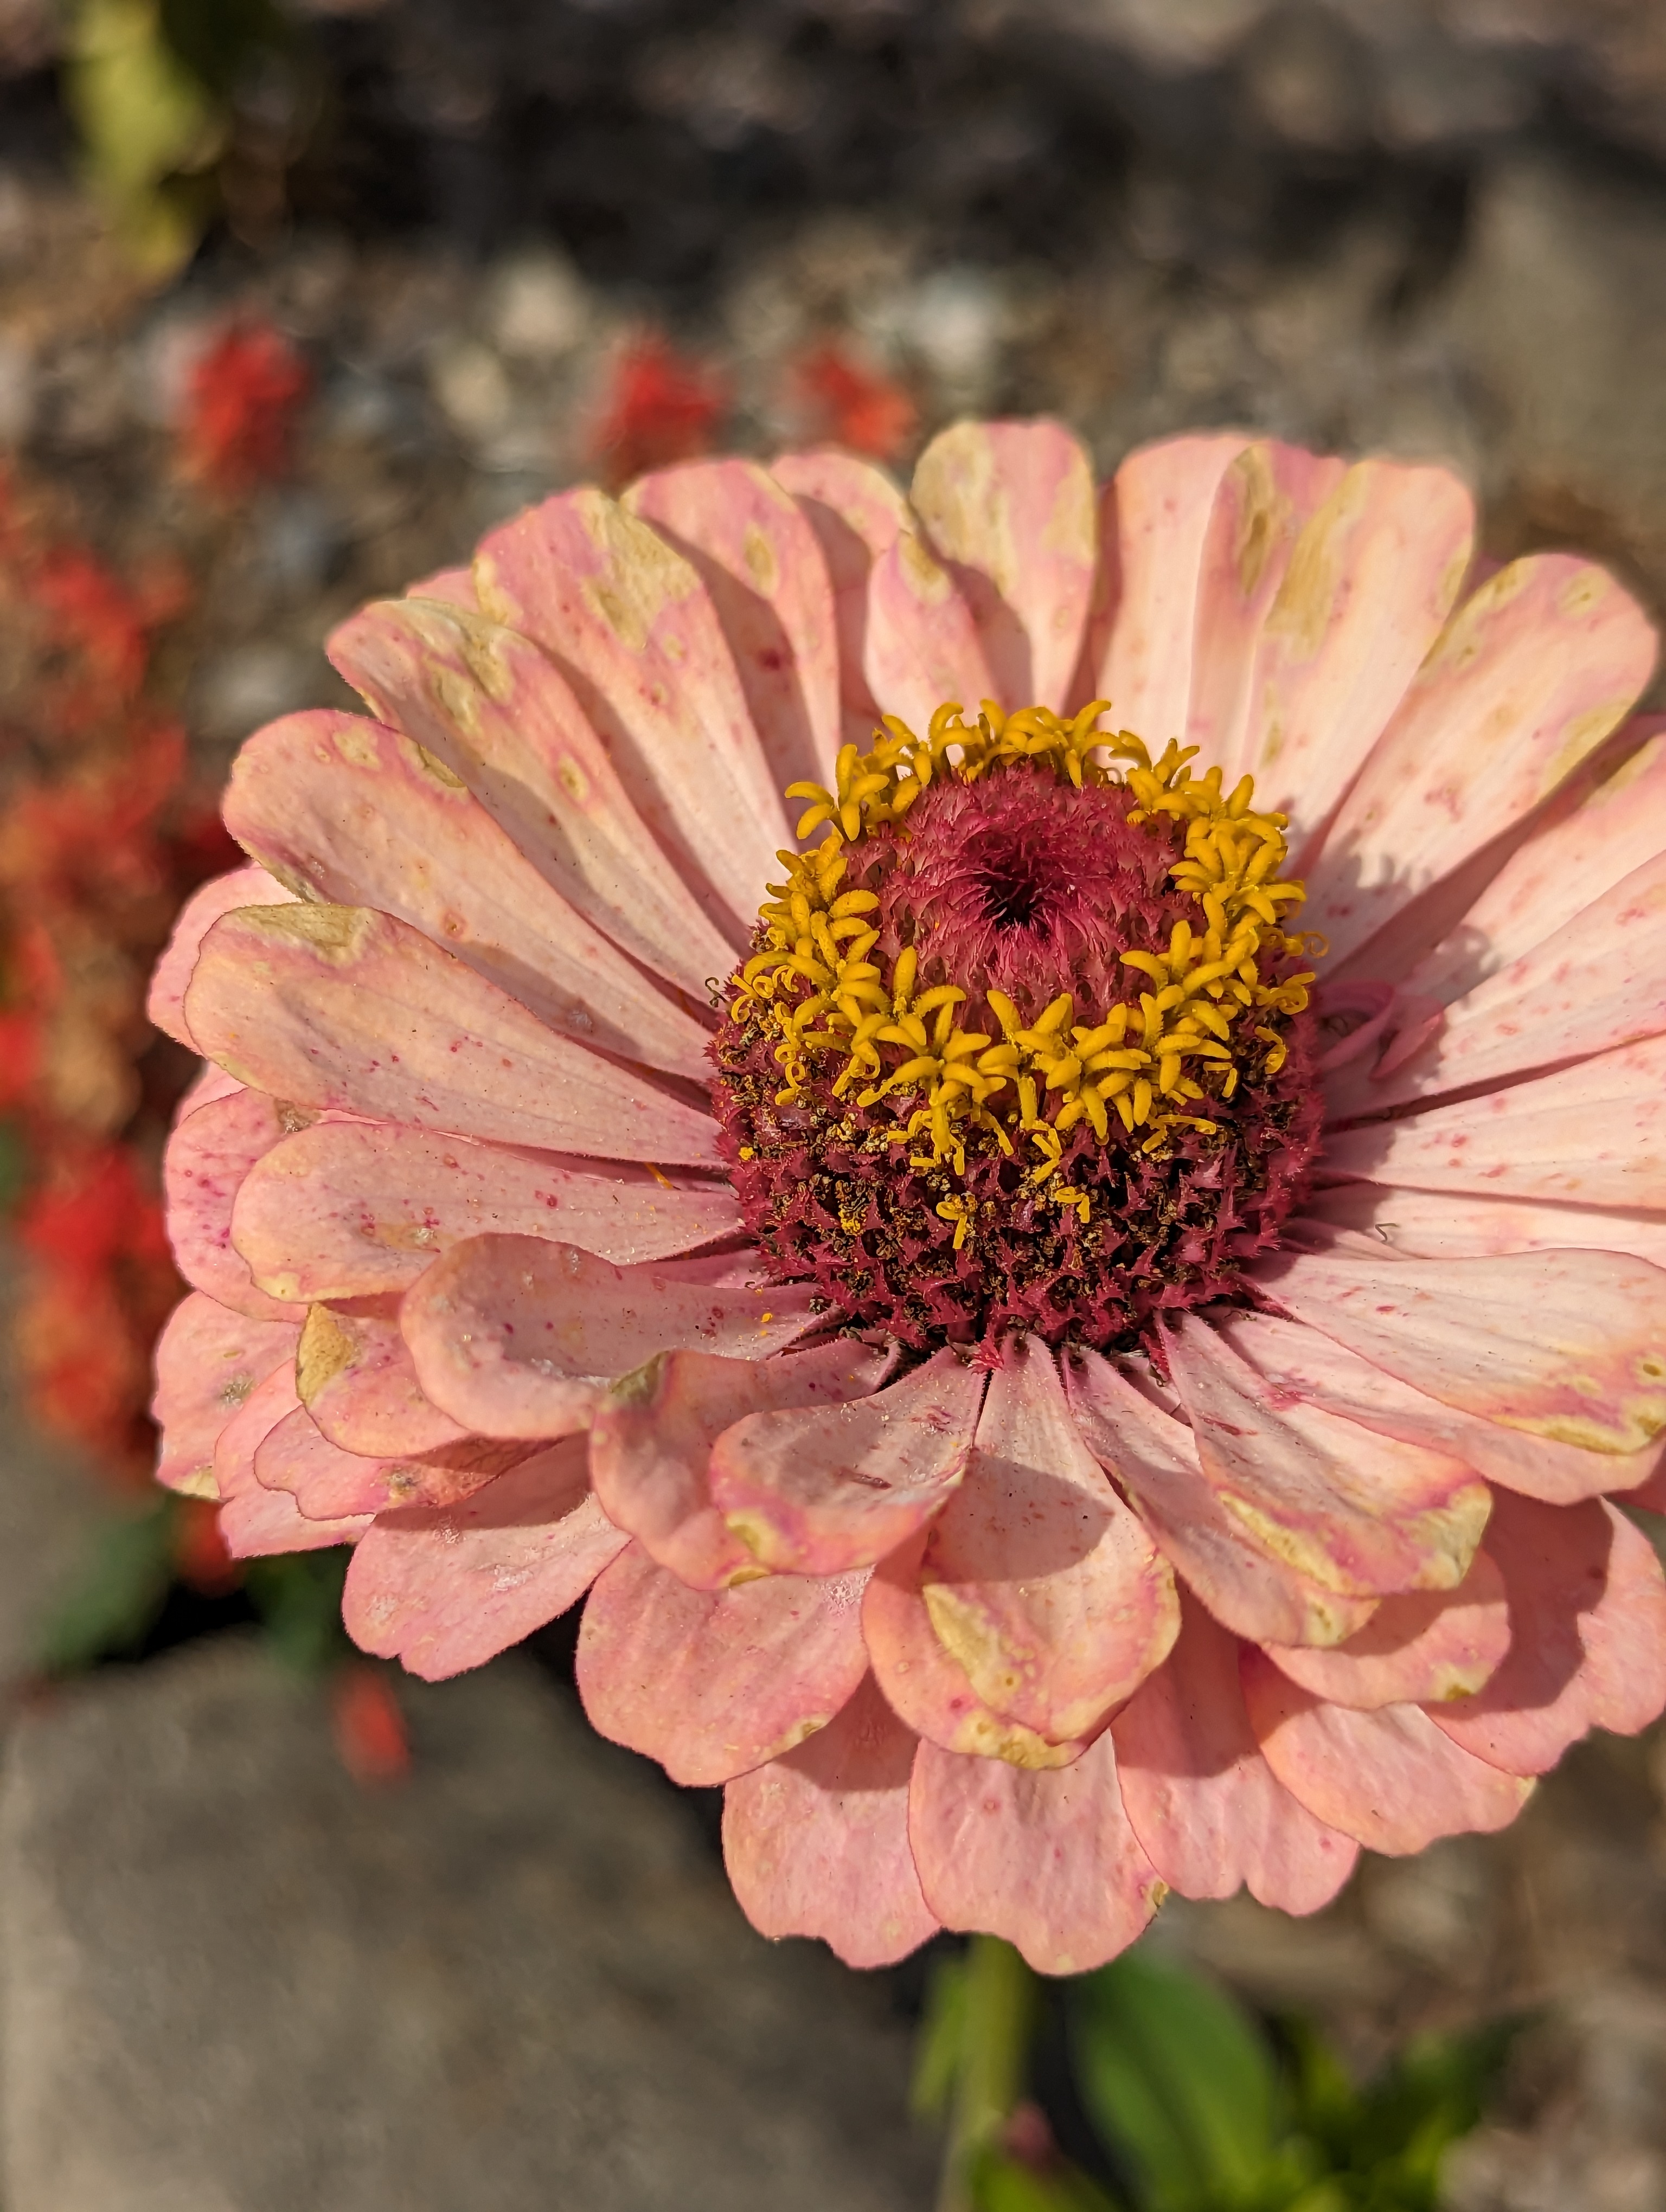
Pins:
x: 1074, y: 1301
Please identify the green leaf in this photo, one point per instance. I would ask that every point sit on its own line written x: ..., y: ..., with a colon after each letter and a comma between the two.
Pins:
x: 1001, y: 2184
x: 298, y: 1597
x: 146, y: 124
x: 114, y: 1594
x: 941, y: 2040
x: 1179, y: 2081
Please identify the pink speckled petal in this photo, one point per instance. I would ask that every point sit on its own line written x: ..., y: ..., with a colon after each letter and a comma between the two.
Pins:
x: 492, y: 707
x: 817, y: 1842
x: 1010, y: 508
x: 517, y: 1337
x: 1567, y: 1345
x: 855, y: 512
x: 1588, y: 1646
x: 1153, y: 1457
x: 1307, y: 1364
x: 1443, y: 1224
x: 1153, y: 521
x: 255, y: 1521
x: 1268, y: 495
x: 359, y: 815
x: 1529, y: 676
x: 1199, y: 1796
x: 922, y: 646
x: 652, y: 1438
x: 1589, y: 1135
x: 174, y: 971
x: 927, y: 1685
x: 357, y: 1380
x: 209, y: 1360
x: 1604, y: 821
x: 628, y: 620
x: 209, y: 1155
x: 1038, y: 1579
x: 712, y: 1683
x: 1425, y: 1647
x: 1371, y: 580
x: 758, y: 557
x: 454, y: 586
x: 1047, y: 1860
x: 1597, y: 982
x: 1389, y: 1778
x: 821, y: 1490
x: 344, y: 1211
x: 1349, y: 1507
x: 327, y: 1482
x: 340, y: 1007
x: 445, y: 1590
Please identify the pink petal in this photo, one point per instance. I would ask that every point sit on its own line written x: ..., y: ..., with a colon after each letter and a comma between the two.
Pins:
x: 1352, y: 1508
x: 1389, y: 1778
x: 208, y: 1156
x: 516, y: 1337
x: 632, y: 625
x: 652, y: 1438
x: 454, y: 585
x: 1528, y: 677
x: 922, y: 646
x: 343, y: 1211
x: 1307, y: 1365
x: 1153, y: 522
x: 1441, y: 1225
x: 1588, y: 1646
x: 1565, y: 1344
x: 1046, y: 1860
x: 817, y: 1842
x: 830, y: 1487
x: 927, y: 1686
x: 340, y: 1006
x: 1592, y: 1135
x: 209, y: 1085
x: 1597, y: 828
x: 1597, y: 982
x: 255, y: 1521
x: 1252, y: 1589
x: 445, y: 1590
x: 759, y: 559
x: 209, y: 1361
x: 855, y: 512
x: 327, y: 1482
x: 173, y: 972
x: 1372, y: 578
x: 1425, y: 1647
x: 358, y: 815
x: 1010, y: 508
x: 1268, y: 496
x: 492, y: 707
x: 357, y: 1379
x: 1038, y: 1580
x: 712, y: 1683
x: 1199, y: 1796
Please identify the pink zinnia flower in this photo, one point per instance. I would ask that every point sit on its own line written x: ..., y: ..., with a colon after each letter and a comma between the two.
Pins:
x: 1048, y: 1402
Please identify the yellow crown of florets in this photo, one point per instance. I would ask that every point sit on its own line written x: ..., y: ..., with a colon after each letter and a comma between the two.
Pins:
x: 1206, y: 1013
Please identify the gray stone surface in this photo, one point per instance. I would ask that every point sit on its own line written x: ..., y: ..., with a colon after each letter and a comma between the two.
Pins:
x: 233, y: 1981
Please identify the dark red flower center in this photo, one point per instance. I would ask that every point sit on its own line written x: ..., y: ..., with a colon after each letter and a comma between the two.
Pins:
x: 1030, y: 1082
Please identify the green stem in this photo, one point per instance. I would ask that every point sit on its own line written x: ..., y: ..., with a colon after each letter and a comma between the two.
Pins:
x: 1000, y: 2010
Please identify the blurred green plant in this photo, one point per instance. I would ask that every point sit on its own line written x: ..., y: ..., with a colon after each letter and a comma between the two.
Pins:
x: 1197, y: 2107
x: 117, y: 1590
x: 156, y: 89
